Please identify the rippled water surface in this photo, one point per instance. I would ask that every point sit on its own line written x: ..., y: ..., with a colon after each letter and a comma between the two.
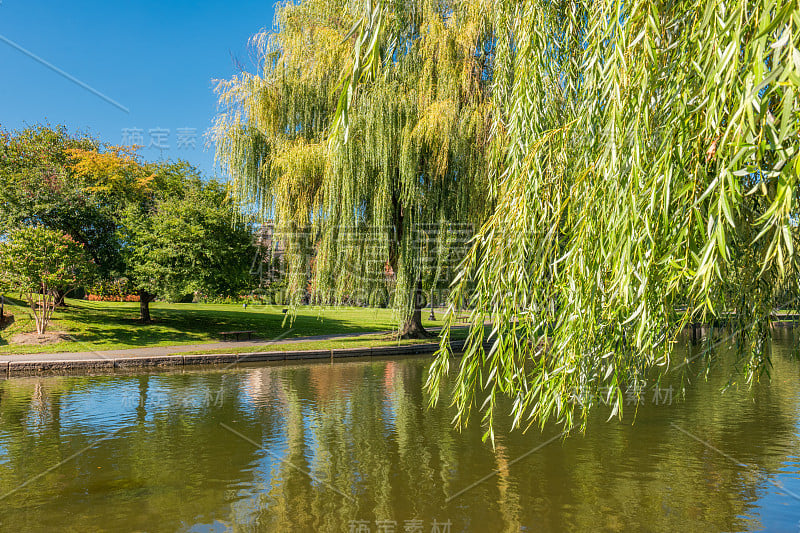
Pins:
x: 349, y: 445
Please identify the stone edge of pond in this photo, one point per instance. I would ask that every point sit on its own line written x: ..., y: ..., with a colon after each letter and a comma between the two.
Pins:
x: 9, y: 368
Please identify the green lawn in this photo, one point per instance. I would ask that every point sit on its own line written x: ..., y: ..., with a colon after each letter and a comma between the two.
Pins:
x: 112, y: 325
x: 362, y: 341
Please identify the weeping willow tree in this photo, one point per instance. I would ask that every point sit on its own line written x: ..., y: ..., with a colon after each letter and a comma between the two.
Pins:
x: 650, y: 179
x: 385, y: 193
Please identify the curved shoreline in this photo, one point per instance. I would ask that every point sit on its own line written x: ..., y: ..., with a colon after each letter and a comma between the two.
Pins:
x: 55, y: 365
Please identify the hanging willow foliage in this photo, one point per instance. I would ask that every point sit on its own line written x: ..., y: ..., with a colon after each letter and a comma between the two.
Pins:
x: 650, y: 179
x: 412, y: 166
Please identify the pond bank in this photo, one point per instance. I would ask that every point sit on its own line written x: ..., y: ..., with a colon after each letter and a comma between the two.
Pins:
x: 54, y: 363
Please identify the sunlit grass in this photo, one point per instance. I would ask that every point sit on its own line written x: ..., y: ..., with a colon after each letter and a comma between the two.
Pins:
x: 360, y: 341
x: 114, y: 325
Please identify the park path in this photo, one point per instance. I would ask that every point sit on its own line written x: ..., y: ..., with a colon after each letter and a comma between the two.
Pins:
x: 160, y: 351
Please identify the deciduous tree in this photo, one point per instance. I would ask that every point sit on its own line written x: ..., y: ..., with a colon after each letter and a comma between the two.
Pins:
x: 415, y: 162
x: 41, y: 263
x: 180, y: 244
x: 650, y: 180
x: 40, y: 186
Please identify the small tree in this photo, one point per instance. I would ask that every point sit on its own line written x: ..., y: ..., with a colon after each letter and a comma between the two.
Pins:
x: 41, y: 263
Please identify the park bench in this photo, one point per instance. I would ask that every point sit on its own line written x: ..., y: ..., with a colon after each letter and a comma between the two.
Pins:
x: 228, y: 334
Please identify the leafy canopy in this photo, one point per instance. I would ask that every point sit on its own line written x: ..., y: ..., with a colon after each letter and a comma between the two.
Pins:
x: 38, y: 186
x: 184, y: 243
x: 39, y: 263
x: 650, y: 179
x: 415, y: 162
x: 643, y: 156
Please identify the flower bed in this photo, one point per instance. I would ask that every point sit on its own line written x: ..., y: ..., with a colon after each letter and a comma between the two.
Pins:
x: 113, y: 298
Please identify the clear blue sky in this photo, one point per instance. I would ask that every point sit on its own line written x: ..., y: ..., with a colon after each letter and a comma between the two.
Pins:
x: 158, y: 59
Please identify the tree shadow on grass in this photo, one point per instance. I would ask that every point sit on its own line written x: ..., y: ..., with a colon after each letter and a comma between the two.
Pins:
x: 175, y: 325
x: 5, y: 321
x: 14, y: 301
x: 9, y: 318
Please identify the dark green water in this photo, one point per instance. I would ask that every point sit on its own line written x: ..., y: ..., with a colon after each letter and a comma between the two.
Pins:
x: 338, y: 447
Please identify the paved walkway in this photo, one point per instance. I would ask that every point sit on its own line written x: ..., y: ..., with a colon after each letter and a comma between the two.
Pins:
x: 172, y: 356
x: 161, y: 351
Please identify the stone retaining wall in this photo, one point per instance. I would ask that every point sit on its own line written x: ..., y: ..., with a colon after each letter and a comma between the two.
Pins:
x: 32, y: 367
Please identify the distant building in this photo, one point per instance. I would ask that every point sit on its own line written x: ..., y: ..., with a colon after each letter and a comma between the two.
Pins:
x: 268, y: 262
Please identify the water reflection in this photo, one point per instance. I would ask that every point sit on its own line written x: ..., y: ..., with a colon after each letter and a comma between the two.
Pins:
x: 330, y: 447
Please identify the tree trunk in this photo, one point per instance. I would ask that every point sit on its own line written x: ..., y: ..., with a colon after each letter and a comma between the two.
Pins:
x: 144, y: 306
x: 42, y: 305
x: 59, y: 298
x: 412, y: 328
x: 141, y: 411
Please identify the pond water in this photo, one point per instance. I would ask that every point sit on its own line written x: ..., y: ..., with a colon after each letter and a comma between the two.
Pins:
x: 352, y: 446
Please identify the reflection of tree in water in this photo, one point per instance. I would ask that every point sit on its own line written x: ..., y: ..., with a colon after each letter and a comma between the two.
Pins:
x: 325, y: 435
x: 650, y: 476
x: 508, y: 499
x: 168, y: 467
x: 365, y: 428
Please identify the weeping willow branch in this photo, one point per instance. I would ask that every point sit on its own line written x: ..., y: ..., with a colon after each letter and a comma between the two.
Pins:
x: 670, y: 195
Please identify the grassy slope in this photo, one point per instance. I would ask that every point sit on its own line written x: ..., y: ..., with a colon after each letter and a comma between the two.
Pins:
x: 111, y: 325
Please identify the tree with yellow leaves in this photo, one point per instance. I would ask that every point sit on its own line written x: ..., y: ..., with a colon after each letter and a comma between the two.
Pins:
x: 415, y: 168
